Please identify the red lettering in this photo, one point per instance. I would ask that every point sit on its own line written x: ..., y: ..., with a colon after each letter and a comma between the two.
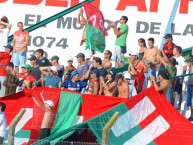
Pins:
x: 57, y: 3
x: 30, y: 2
x: 154, y: 6
x: 2, y: 1
x: 96, y: 3
x: 184, y: 6
x: 140, y: 4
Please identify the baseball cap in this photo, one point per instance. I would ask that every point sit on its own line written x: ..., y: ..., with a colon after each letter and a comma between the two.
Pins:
x: 74, y: 73
x: 55, y: 58
x: 54, y: 68
x: 80, y: 55
x: 27, y: 66
x: 190, y: 59
x: 33, y: 57
x: 127, y: 75
x: 134, y: 53
x: 118, y: 76
x: 70, y: 59
x: 168, y: 35
x: 9, y: 47
x: 95, y: 71
x: 49, y: 102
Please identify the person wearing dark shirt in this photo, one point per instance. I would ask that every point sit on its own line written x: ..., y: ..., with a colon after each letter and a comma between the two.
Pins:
x: 41, y: 60
x: 74, y: 83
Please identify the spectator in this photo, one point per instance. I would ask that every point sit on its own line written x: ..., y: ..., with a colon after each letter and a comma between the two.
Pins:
x: 181, y: 69
x: 20, y: 42
x: 123, y: 88
x: 60, y: 68
x: 48, y: 116
x: 5, y: 58
x: 162, y: 82
x: 35, y: 70
x: 121, y: 39
x: 132, y: 89
x: 169, y: 45
x: 142, y: 46
x: 42, y: 61
x: 11, y: 81
x: 82, y: 67
x: 106, y: 63
x: 2, y: 122
x: 69, y: 68
x: 52, y: 79
x: 5, y: 28
x: 108, y: 87
x: 94, y: 82
x: 74, y: 83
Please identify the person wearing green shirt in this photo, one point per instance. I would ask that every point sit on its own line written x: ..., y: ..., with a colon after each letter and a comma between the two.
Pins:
x: 120, y: 43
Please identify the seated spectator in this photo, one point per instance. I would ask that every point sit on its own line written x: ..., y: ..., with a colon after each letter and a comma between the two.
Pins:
x: 11, y: 81
x: 60, y: 68
x: 52, y: 80
x: 162, y: 81
x: 42, y: 61
x: 109, y: 86
x: 132, y: 89
x: 35, y: 70
x: 123, y: 88
x: 106, y: 63
x: 69, y: 69
x: 94, y: 82
x: 74, y: 83
x: 139, y: 76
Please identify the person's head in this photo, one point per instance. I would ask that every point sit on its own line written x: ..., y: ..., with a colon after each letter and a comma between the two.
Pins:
x: 127, y: 77
x: 97, y: 62
x: 133, y: 56
x: 70, y: 61
x: 53, y: 70
x: 10, y: 66
x: 5, y: 20
x: 49, y: 104
x: 27, y: 68
x: 173, y: 61
x: 151, y: 42
x: 123, y: 20
x: 94, y: 73
x: 139, y: 68
x: 75, y: 75
x: 110, y: 75
x: 107, y: 54
x: 54, y: 60
x: 189, y: 61
x: 177, y: 50
x: 2, y: 106
x: 168, y: 38
x: 39, y: 53
x: 141, y: 42
x: 80, y: 57
x: 119, y: 78
x: 163, y: 74
x: 20, y: 26
x: 8, y: 48
x: 33, y: 60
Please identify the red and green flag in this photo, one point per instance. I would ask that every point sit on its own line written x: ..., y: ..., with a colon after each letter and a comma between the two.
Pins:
x: 95, y: 30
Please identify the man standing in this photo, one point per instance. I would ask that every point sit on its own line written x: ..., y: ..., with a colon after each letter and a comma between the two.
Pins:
x: 4, y: 60
x: 42, y: 61
x: 2, y: 122
x: 48, y: 116
x: 60, y: 68
x: 181, y: 69
x: 120, y: 44
x: 20, y: 42
x: 123, y: 88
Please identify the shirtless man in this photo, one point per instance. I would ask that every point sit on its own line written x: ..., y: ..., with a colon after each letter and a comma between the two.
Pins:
x: 151, y: 60
x: 122, y: 86
x: 48, y: 116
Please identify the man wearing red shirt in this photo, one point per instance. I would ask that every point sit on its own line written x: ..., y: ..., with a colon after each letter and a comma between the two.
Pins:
x: 5, y: 58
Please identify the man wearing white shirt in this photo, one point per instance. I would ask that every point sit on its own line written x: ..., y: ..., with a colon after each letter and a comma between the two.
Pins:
x: 181, y: 69
x: 2, y: 122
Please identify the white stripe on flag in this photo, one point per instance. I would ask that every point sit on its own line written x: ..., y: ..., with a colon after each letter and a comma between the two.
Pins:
x: 133, y: 117
x: 150, y: 132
